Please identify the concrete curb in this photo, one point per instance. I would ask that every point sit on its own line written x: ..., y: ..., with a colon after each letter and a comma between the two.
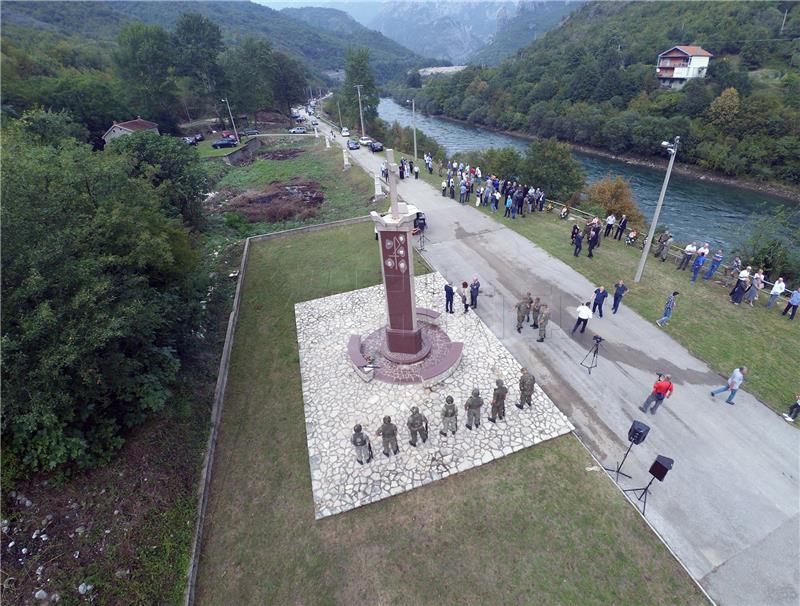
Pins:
x: 219, y: 394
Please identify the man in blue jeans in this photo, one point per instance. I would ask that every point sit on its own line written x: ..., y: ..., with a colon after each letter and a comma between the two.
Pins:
x: 668, y: 307
x: 734, y: 383
x: 793, y: 303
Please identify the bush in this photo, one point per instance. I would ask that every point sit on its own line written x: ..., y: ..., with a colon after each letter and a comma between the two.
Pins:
x: 614, y: 195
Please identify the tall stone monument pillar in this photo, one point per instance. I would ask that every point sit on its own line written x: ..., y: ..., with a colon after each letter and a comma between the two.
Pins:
x: 403, y: 335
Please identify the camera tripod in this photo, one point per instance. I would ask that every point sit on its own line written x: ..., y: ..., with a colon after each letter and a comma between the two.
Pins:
x: 594, y: 351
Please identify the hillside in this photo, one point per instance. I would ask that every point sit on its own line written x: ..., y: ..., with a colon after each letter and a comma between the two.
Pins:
x: 528, y: 22
x: 321, y: 50
x: 592, y: 81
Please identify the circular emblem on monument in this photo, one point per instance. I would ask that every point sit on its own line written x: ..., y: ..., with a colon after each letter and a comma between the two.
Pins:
x: 390, y: 263
x: 401, y: 251
x: 402, y: 265
x: 402, y: 238
x: 389, y: 243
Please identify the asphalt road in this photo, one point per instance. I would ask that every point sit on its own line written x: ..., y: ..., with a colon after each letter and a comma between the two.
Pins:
x: 729, y: 507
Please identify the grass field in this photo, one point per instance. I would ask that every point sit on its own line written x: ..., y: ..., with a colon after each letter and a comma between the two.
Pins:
x: 704, y: 321
x: 535, y: 527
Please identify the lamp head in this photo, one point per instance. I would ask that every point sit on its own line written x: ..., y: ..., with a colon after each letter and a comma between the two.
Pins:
x: 665, y: 144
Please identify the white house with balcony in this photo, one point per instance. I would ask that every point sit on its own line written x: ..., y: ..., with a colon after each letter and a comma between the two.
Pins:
x: 681, y: 63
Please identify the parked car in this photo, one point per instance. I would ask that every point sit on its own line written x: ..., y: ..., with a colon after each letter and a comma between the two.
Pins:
x: 250, y: 132
x: 352, y: 144
x: 298, y: 130
x: 345, y: 132
x: 376, y: 146
x: 365, y: 141
x: 199, y: 137
x: 224, y: 142
x: 314, y: 122
x: 189, y: 140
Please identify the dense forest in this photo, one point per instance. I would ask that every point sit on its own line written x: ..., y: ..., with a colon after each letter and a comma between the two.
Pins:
x: 592, y: 81
x: 317, y: 48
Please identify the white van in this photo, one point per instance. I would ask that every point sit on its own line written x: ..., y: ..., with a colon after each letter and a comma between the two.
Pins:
x: 345, y: 132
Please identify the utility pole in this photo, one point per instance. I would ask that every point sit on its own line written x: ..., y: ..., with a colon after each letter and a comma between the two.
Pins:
x: 672, y: 149
x: 358, y: 87
x: 414, y: 124
x: 341, y: 126
x: 235, y: 132
x: 785, y: 14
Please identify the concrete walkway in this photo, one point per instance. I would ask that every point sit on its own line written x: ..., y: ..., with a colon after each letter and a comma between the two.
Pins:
x: 729, y: 507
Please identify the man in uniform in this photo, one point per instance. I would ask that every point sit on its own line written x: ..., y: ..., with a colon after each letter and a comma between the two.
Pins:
x: 523, y: 309
x: 417, y: 424
x: 473, y: 408
x: 449, y: 417
x: 360, y: 441
x: 448, y: 297
x: 544, y: 318
x: 529, y: 299
x: 527, y: 382
x: 536, y: 307
x: 499, y: 401
x: 388, y: 432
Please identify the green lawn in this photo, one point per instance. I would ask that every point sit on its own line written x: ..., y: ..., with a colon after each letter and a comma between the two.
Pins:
x: 704, y: 321
x: 206, y: 151
x: 533, y: 528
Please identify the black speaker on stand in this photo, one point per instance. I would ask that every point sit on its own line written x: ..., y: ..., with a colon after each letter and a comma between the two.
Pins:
x: 636, y: 435
x: 658, y: 470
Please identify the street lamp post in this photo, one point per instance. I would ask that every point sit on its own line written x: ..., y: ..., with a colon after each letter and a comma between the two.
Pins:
x: 235, y: 132
x: 360, y: 112
x: 413, y: 123
x: 672, y: 149
x: 341, y: 126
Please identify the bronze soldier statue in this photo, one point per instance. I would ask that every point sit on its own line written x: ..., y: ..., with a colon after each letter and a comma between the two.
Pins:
x: 499, y: 401
x: 388, y: 432
x: 449, y: 417
x: 527, y: 383
x: 473, y: 408
x: 417, y: 424
x: 544, y: 318
x: 363, y: 447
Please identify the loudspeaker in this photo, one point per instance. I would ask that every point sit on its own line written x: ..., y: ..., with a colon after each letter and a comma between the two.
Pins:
x: 638, y: 432
x: 660, y: 467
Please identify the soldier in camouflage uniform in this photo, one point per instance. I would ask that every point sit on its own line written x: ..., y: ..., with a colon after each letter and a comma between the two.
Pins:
x: 360, y: 441
x: 523, y: 309
x: 526, y: 385
x: 417, y: 424
x: 388, y: 432
x: 449, y: 417
x: 536, y: 307
x: 499, y: 401
x: 473, y: 408
x: 544, y: 318
x: 529, y: 300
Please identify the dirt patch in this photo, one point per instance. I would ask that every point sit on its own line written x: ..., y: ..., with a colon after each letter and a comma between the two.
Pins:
x: 279, y: 201
x: 280, y: 154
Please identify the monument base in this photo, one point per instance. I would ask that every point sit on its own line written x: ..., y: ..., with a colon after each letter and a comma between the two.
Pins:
x: 404, y: 343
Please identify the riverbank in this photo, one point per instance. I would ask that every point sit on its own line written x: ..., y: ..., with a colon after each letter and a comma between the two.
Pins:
x: 688, y: 170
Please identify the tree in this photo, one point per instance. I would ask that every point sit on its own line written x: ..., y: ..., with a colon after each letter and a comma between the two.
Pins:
x: 767, y: 241
x: 549, y: 164
x: 198, y: 43
x: 143, y: 60
x: 50, y: 128
x: 288, y: 82
x: 171, y: 167
x: 614, y: 195
x: 98, y: 301
x: 250, y: 68
x: 358, y: 72
x: 724, y: 109
x: 414, y: 80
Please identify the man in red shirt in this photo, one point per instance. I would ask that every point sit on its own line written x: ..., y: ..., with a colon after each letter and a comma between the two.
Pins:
x: 662, y: 389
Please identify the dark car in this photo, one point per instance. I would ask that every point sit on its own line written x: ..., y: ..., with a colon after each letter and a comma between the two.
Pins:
x: 199, y: 137
x: 352, y: 144
x: 250, y: 132
x: 376, y: 146
x: 226, y: 142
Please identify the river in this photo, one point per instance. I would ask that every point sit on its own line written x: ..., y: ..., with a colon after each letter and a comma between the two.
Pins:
x: 693, y: 209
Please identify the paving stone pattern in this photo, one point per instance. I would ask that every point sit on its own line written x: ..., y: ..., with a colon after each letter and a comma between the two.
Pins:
x: 336, y: 399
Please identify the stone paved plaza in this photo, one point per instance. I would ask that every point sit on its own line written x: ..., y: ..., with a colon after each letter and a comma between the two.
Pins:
x: 336, y: 399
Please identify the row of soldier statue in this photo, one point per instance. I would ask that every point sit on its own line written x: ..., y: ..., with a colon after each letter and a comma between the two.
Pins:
x: 417, y: 423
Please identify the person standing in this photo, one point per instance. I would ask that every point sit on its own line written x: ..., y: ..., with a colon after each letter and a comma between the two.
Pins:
x: 509, y: 202
x: 662, y: 389
x: 697, y: 266
x: 734, y: 383
x: 619, y: 291
x: 578, y: 240
x: 499, y: 402
x: 600, y: 296
x: 449, y: 417
x: 473, y: 408
x: 462, y: 292
x: 418, y: 426
x: 360, y: 442
x: 688, y: 253
x: 794, y: 301
x: 621, y: 226
x: 610, y: 220
x: 444, y: 189
x: 664, y: 254
x: 416, y: 172
x: 523, y: 308
x: 448, y: 298
x: 743, y: 285
x: 777, y: 291
x: 527, y: 384
x: 669, y: 306
x: 474, y: 289
x: 758, y: 284
x: 536, y: 307
x: 462, y: 192
x: 544, y: 318
x: 594, y: 238
x: 388, y: 434
x: 716, y: 260
x: 575, y: 231
x: 584, y: 315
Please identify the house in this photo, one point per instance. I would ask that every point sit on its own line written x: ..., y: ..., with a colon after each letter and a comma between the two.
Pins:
x: 118, y: 129
x: 681, y: 63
